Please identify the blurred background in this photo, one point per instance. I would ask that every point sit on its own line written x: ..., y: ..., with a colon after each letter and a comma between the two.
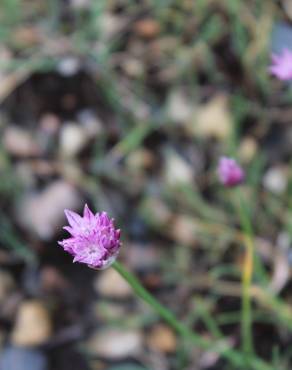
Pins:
x: 127, y: 105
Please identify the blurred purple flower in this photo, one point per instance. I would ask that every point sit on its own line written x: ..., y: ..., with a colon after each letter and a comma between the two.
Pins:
x: 94, y: 239
x: 229, y: 172
x: 282, y: 65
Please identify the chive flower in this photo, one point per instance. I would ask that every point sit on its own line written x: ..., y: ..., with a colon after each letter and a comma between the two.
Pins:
x: 94, y: 240
x: 230, y: 172
x: 282, y: 65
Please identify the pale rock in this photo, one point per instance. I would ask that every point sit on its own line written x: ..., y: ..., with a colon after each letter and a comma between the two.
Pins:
x: 155, y: 211
x: 287, y: 5
x: 276, y: 180
x: 20, y: 142
x: 17, y: 358
x: 116, y: 344
x: 140, y: 159
x: 90, y: 122
x: 177, y: 170
x: 143, y: 256
x: 68, y: 66
x: 179, y: 107
x: 80, y: 4
x: 33, y: 325
x: 109, y: 283
x: 50, y: 123
x: 108, y: 311
x: 111, y: 25
x: 72, y: 139
x: 44, y: 211
x: 213, y: 119
x: 183, y: 230
x: 281, y: 267
x: 133, y: 67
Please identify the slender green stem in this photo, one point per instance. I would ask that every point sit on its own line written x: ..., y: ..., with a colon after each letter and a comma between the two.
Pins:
x: 233, y: 356
x: 247, y: 275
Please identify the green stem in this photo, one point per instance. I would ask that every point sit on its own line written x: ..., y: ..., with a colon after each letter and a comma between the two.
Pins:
x: 247, y: 275
x: 233, y: 356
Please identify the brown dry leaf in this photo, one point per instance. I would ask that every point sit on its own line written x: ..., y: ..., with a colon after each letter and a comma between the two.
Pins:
x: 212, y: 119
x: 248, y: 149
x: 161, y: 338
x: 116, y: 344
x: 33, y: 325
x: 110, y: 284
x: 147, y: 28
x: 27, y: 36
x: 44, y: 211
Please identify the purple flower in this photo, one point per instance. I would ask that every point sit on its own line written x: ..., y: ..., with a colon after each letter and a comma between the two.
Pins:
x: 94, y: 239
x: 282, y: 65
x: 229, y: 172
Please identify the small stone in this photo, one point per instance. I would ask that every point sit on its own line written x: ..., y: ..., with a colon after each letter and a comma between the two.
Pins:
x: 20, y: 142
x: 155, y: 212
x: 109, y: 283
x: 276, y: 180
x: 143, y: 256
x: 14, y: 358
x: 287, y: 5
x: 50, y: 123
x: 140, y: 159
x: 44, y: 211
x: 183, y: 230
x: 27, y: 36
x: 72, y: 140
x: 116, y: 344
x: 80, y: 4
x: 33, y: 325
x: 162, y: 338
x: 68, y: 66
x: 133, y: 67
x: 179, y: 107
x: 90, y: 122
x: 7, y: 285
x: 177, y: 170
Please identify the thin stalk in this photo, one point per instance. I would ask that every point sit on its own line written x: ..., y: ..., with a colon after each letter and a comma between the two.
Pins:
x: 233, y: 356
x: 247, y: 275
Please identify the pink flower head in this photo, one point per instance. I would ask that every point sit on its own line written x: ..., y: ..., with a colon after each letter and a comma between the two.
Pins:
x: 94, y: 239
x: 229, y: 171
x: 282, y: 65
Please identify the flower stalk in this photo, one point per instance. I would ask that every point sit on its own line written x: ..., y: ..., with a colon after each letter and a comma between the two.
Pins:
x: 247, y: 276
x: 234, y: 357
